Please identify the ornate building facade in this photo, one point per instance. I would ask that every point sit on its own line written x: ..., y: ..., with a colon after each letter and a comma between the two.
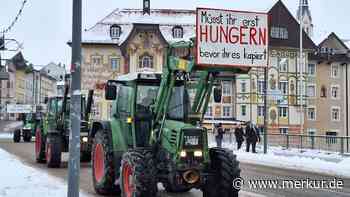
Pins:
x: 128, y: 41
x: 286, y: 91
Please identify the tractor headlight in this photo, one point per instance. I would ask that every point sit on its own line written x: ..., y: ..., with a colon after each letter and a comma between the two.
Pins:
x: 183, y: 154
x: 85, y: 139
x: 198, y: 153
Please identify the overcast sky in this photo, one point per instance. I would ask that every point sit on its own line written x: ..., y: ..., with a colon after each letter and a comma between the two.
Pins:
x: 45, y: 25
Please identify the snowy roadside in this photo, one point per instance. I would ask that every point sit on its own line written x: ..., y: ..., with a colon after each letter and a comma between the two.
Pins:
x: 19, y: 180
x: 310, y: 160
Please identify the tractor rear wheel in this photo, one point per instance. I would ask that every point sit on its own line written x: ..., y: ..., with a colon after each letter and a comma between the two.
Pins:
x: 17, y: 135
x: 27, y: 135
x: 53, y: 150
x: 138, y: 174
x: 103, y: 169
x: 225, y: 167
x: 39, y: 146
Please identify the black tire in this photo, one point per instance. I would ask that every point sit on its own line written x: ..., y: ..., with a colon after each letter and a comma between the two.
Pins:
x: 103, y: 169
x: 225, y: 166
x: 141, y: 166
x: 85, y: 156
x: 27, y: 135
x: 40, y: 146
x: 53, y: 150
x: 17, y: 136
x: 175, y: 189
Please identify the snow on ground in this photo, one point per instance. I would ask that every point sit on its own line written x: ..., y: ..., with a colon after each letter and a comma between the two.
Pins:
x: 19, y: 180
x: 322, y: 162
x: 6, y: 135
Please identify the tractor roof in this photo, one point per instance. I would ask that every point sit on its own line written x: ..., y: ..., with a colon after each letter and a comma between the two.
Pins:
x: 140, y: 76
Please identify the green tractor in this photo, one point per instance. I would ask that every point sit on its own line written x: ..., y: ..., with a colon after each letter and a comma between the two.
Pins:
x: 30, y: 123
x: 155, y: 134
x: 52, y: 137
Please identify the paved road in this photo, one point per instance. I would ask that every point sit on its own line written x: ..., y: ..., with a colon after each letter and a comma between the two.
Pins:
x: 25, y: 151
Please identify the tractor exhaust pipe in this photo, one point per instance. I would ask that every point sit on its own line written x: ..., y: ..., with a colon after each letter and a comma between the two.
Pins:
x: 191, y: 176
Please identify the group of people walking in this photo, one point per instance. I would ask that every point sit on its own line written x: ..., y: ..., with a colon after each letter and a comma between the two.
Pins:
x: 250, y: 134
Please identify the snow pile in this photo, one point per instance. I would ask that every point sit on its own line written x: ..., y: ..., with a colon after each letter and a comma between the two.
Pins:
x: 6, y: 135
x: 19, y: 180
x: 334, y: 165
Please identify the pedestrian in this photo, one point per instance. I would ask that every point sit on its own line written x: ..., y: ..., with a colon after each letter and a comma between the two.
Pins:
x: 220, y: 135
x: 252, y: 136
x: 239, y: 136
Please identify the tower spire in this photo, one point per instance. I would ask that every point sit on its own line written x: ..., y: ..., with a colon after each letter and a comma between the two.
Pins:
x: 304, y: 16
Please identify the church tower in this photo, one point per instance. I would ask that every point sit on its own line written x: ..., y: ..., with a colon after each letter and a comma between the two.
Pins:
x: 304, y: 15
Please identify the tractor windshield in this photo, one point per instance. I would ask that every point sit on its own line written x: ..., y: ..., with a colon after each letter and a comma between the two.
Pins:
x: 179, y: 106
x: 146, y: 96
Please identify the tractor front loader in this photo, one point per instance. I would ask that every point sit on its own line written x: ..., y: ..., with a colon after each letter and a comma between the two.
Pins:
x: 52, y: 137
x: 155, y: 133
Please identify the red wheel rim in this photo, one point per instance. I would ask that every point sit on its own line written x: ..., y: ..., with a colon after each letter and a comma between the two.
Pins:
x: 99, y: 163
x: 128, y: 180
x: 48, y: 152
x: 37, y: 143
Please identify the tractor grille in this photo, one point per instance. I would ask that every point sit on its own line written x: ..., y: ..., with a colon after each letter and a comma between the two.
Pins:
x: 193, y: 138
x: 173, y: 137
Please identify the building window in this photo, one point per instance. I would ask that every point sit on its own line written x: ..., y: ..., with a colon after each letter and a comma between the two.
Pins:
x: 335, y: 114
x: 226, y: 88
x: 209, y: 112
x: 311, y: 90
x: 311, y: 113
x: 279, y: 33
x: 261, y: 111
x: 178, y: 32
x: 283, y: 112
x: 335, y: 71
x: 335, y: 92
x: 96, y: 60
x: 243, y: 87
x: 226, y: 111
x: 261, y: 86
x: 284, y: 131
x: 115, y: 31
x: 331, y: 137
x: 323, y: 91
x: 115, y: 63
x: 311, y: 69
x: 243, y: 110
x: 145, y: 61
x: 283, y: 86
x: 283, y: 64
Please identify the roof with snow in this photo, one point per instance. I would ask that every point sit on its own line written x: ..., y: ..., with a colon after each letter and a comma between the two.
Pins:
x: 167, y: 19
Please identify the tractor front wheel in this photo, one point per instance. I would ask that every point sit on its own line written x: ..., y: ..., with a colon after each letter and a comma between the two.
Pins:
x: 17, y: 135
x: 39, y: 146
x: 53, y: 151
x: 175, y: 188
x: 138, y: 174
x: 103, y: 169
x: 27, y: 135
x: 225, y: 167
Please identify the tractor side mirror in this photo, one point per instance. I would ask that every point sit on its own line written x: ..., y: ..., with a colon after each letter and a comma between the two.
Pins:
x: 217, y: 94
x: 110, y: 91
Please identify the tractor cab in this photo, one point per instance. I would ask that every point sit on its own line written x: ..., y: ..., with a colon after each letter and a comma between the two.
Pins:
x: 134, y: 95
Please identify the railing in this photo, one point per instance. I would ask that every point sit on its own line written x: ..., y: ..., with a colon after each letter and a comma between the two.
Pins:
x: 288, y: 141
